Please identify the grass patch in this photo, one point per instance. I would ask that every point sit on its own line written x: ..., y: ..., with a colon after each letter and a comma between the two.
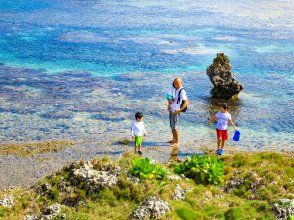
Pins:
x: 253, y: 181
x: 29, y: 149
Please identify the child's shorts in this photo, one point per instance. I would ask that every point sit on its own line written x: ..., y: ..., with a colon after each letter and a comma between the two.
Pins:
x: 138, y: 140
x: 222, y: 134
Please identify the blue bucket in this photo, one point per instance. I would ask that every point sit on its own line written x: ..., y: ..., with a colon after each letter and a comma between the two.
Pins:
x: 236, y: 136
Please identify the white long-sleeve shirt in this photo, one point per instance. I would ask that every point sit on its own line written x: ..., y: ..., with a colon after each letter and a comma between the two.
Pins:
x: 138, y: 128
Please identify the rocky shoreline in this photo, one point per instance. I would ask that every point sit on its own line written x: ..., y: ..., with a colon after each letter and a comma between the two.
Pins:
x: 20, y: 167
x: 253, y: 181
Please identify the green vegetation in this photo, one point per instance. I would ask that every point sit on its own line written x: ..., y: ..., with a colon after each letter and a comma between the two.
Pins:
x: 250, y: 184
x: 203, y: 169
x: 144, y: 169
x: 261, y: 176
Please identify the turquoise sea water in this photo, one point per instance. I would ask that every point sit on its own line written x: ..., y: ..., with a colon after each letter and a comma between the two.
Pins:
x: 125, y: 41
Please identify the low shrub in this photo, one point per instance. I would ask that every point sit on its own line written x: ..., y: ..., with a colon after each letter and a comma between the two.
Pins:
x: 203, y: 169
x: 144, y: 169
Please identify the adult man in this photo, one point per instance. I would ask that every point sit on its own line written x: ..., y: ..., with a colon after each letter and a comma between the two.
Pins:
x: 177, y: 102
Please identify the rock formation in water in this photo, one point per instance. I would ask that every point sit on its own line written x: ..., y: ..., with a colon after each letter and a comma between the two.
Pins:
x: 223, y: 80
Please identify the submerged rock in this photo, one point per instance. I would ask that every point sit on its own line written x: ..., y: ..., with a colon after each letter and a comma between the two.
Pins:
x: 223, y: 80
x: 7, y: 201
x: 284, y: 208
x: 151, y: 208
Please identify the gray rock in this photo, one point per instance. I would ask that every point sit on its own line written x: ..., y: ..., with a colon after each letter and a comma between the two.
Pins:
x: 31, y: 217
x: 183, y: 176
x: 95, y: 180
x: 218, y: 196
x: 179, y: 193
x: 43, y: 188
x: 225, y: 86
x: 152, y: 207
x: 7, y: 201
x: 51, y: 212
x: 174, y: 178
x: 134, y: 179
x: 236, y: 181
x: 284, y: 208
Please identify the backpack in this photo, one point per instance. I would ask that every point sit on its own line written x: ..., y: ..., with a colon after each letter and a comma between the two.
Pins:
x: 179, y: 100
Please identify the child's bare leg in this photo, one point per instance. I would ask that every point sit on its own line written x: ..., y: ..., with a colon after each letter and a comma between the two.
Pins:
x: 219, y: 142
x: 223, y: 144
x: 140, y: 147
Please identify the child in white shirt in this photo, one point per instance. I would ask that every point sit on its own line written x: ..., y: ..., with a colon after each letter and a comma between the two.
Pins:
x: 222, y: 117
x: 138, y: 130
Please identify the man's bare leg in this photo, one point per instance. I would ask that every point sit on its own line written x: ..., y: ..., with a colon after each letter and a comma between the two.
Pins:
x: 175, y: 136
x: 174, y: 140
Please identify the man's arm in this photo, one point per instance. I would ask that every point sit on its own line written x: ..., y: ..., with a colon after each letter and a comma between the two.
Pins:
x: 185, y: 104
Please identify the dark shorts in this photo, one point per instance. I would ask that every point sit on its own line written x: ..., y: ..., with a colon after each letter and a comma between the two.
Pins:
x: 222, y: 134
x: 173, y: 120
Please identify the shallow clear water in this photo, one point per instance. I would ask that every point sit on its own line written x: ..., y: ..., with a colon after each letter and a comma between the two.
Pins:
x: 123, y: 56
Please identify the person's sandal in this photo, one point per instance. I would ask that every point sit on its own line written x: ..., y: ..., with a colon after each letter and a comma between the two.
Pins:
x: 140, y: 152
x: 171, y: 142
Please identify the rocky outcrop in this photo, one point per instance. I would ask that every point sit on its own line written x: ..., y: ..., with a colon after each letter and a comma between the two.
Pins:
x: 152, y: 208
x: 284, y: 208
x: 43, y: 188
x: 31, y: 217
x: 237, y: 181
x: 7, y: 201
x: 50, y: 212
x: 94, y: 178
x: 179, y: 193
x: 173, y: 178
x: 225, y: 86
x: 133, y: 179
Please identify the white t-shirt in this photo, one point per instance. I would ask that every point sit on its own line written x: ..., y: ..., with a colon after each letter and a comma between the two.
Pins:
x: 138, y: 128
x: 175, y: 94
x: 222, y: 120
